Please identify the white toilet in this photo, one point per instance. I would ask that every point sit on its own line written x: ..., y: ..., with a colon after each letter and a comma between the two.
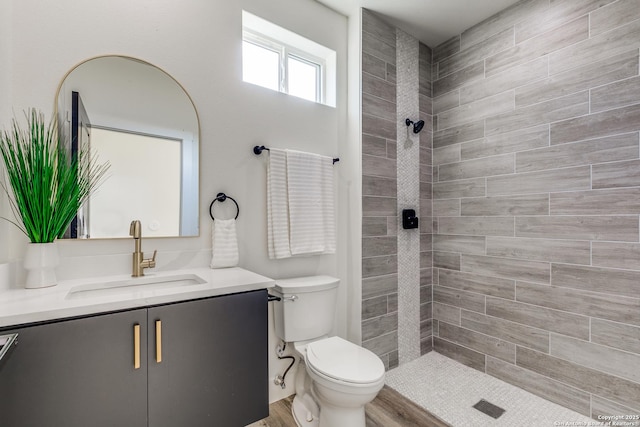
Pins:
x: 335, y: 378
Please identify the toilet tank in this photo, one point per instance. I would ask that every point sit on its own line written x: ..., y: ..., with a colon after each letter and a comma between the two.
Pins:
x: 307, y: 309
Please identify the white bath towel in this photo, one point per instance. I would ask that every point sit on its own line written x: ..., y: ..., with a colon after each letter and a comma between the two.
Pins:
x: 224, y: 248
x: 311, y: 211
x: 277, y: 205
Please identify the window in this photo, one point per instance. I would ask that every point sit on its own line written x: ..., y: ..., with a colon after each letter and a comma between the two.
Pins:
x: 280, y: 60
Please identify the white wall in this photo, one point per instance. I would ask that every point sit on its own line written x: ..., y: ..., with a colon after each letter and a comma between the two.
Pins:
x: 198, y: 42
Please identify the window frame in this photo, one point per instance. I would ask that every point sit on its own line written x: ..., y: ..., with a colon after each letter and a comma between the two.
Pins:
x: 286, y: 51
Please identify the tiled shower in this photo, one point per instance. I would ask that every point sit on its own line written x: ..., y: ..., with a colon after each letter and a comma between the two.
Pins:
x: 529, y: 199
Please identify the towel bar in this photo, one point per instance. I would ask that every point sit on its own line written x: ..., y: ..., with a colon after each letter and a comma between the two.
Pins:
x: 258, y: 149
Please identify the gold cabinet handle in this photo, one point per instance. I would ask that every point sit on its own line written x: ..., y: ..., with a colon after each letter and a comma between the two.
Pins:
x: 158, y: 341
x: 136, y: 346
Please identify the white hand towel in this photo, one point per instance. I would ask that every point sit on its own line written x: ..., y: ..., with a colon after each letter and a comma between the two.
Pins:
x: 311, y: 209
x: 224, y: 246
x: 277, y: 206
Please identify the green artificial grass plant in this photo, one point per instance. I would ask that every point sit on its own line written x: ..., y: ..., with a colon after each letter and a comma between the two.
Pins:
x: 48, y: 185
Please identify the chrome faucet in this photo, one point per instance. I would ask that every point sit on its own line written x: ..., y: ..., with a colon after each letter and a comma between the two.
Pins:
x: 139, y: 263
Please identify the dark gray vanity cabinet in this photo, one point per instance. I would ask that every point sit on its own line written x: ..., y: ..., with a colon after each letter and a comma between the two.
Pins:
x: 202, y: 363
x: 214, y: 368
x: 76, y: 373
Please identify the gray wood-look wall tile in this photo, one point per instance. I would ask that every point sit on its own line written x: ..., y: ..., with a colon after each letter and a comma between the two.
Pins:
x: 374, y: 307
x: 378, y: 107
x: 539, y: 317
x: 567, y: 179
x: 476, y: 226
x: 604, y: 306
x: 579, y: 79
x: 382, y: 344
x: 446, y: 207
x: 426, y: 312
x: 378, y: 88
x: 377, y: 126
x: 559, y: 12
x: 590, y: 380
x: 458, y: 298
x: 374, y: 226
x: 381, y: 325
x: 487, y: 166
x: 376, y: 246
x: 616, y: 228
x: 495, y: 43
x: 601, y: 407
x: 378, y: 166
x: 426, y: 329
x: 426, y: 259
x: 374, y: 66
x: 567, y: 396
x: 617, y: 335
x: 595, y: 48
x: 509, y: 268
x: 529, y: 204
x: 565, y: 107
x: 379, y: 186
x: 392, y: 303
x: 374, y: 145
x: 479, y: 342
x: 509, y: 79
x: 616, y: 95
x: 450, y: 260
x: 426, y: 276
x: 378, y: 27
x: 426, y: 294
x: 379, y: 285
x: 477, y: 110
x: 569, y: 251
x: 616, y: 255
x: 472, y: 282
x: 376, y: 47
x: 447, y: 154
x: 617, y: 174
x: 392, y: 223
x: 458, y: 78
x: 595, y: 356
x: 610, y: 122
x: 425, y: 106
x: 447, y: 313
x: 457, y: 243
x: 523, y: 139
x: 446, y: 102
x: 379, y: 206
x: 457, y: 189
x: 597, y: 202
x: 537, y: 339
x: 391, y: 73
x: 607, y: 149
x: 614, y: 15
x: 456, y: 134
x: 459, y: 353
x: 595, y: 279
x: 556, y: 39
x: 446, y: 49
x: 503, y: 19
x: 379, y: 266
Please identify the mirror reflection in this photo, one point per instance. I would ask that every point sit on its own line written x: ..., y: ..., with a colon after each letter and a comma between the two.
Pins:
x: 139, y: 119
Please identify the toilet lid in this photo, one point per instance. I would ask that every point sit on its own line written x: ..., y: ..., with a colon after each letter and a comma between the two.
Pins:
x: 342, y: 360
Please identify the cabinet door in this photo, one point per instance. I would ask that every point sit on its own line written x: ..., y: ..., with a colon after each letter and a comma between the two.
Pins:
x: 76, y: 373
x: 214, y: 367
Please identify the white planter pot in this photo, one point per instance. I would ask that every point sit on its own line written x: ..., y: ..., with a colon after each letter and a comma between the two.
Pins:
x: 40, y: 262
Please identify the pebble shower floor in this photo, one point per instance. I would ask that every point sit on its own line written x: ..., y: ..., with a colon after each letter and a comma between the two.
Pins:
x: 449, y: 390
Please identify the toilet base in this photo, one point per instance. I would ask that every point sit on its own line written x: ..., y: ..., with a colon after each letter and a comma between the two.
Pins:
x: 301, y: 414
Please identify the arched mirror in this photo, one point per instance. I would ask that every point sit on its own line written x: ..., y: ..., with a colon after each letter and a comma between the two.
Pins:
x: 143, y: 122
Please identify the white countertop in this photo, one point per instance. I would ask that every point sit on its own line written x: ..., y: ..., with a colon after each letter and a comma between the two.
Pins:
x: 21, y: 306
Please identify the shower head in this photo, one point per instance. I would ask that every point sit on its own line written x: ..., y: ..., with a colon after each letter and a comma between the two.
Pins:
x: 417, y: 126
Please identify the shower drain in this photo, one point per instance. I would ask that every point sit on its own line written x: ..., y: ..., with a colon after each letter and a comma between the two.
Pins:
x: 489, y: 408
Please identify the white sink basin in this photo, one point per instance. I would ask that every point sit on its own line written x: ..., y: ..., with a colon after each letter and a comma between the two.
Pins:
x: 138, y: 284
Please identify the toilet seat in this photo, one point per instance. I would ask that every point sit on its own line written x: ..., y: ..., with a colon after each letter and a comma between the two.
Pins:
x: 344, y: 361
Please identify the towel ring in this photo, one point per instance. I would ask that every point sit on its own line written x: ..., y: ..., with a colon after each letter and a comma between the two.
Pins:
x: 221, y: 197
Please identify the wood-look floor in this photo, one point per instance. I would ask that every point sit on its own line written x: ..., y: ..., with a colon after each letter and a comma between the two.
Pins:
x: 388, y: 409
